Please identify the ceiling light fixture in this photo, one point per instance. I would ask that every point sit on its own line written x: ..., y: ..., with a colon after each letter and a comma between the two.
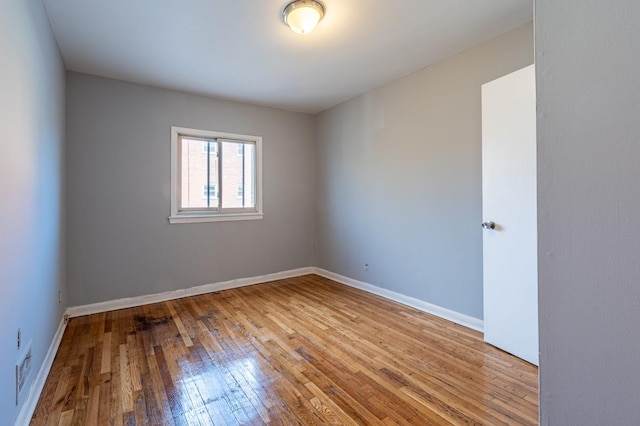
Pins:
x: 302, y: 16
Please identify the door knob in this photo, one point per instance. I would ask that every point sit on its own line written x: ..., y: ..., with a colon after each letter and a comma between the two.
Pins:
x: 489, y: 225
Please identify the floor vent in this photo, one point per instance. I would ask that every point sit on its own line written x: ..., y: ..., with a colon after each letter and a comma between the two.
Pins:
x: 23, y: 370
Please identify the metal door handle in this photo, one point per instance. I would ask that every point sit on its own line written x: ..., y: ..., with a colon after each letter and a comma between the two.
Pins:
x: 489, y: 225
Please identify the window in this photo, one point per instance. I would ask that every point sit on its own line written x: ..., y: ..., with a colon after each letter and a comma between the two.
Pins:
x: 215, y: 176
x: 209, y: 148
x: 210, y: 191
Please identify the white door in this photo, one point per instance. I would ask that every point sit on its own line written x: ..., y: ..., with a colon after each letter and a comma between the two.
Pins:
x: 509, y: 212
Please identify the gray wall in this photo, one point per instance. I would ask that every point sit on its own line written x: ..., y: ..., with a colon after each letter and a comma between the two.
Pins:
x: 120, y: 242
x: 31, y: 225
x: 588, y: 73
x: 399, y: 178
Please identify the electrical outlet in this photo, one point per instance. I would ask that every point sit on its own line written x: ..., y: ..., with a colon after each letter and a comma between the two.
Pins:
x: 366, y: 266
x: 60, y: 296
x: 19, y: 339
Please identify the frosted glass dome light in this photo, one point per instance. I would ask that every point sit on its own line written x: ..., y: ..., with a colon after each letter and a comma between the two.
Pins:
x: 302, y: 16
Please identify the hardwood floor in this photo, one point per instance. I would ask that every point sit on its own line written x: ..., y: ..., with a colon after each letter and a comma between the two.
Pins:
x: 305, y: 350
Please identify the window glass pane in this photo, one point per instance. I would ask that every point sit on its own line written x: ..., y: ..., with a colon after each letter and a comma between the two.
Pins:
x: 238, y: 179
x: 199, y: 175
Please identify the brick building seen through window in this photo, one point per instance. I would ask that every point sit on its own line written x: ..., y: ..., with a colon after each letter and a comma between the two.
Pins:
x: 200, y: 174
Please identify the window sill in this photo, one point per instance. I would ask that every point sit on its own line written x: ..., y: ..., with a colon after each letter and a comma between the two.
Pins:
x: 230, y: 217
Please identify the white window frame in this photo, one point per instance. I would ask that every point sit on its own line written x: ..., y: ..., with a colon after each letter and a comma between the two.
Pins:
x: 208, y: 214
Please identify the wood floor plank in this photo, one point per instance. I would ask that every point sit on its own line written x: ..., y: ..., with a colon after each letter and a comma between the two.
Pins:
x: 91, y: 417
x: 106, y: 353
x: 304, y: 350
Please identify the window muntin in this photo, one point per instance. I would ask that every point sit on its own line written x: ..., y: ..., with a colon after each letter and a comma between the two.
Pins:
x: 215, y: 176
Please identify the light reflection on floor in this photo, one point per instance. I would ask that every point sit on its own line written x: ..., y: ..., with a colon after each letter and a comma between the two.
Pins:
x: 204, y: 382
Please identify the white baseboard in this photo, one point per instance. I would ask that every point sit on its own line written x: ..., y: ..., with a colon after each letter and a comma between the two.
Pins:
x: 130, y: 302
x: 458, y: 318
x: 29, y: 406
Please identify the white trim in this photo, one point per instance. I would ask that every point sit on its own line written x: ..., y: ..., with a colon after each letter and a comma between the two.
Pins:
x: 458, y: 318
x: 29, y: 406
x: 193, y: 218
x: 130, y: 302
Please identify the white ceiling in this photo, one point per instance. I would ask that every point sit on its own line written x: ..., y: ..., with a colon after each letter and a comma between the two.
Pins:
x: 241, y: 49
